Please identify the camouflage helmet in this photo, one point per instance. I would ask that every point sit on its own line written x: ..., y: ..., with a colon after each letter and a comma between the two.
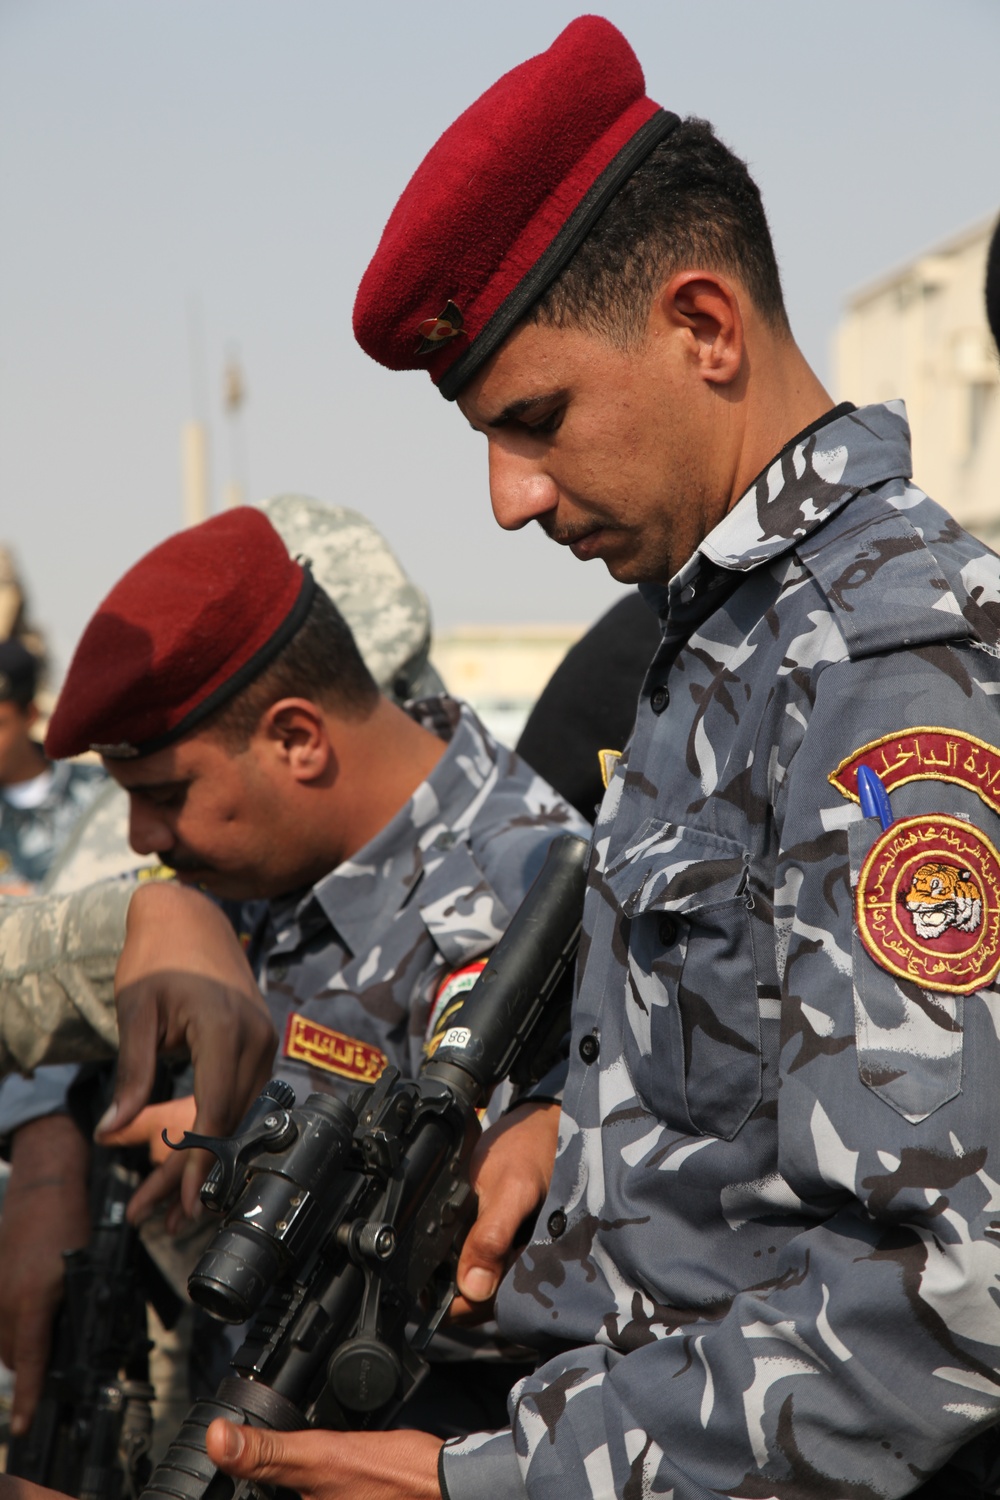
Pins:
x: 389, y: 616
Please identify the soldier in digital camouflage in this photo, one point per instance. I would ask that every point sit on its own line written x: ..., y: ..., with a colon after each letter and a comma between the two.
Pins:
x: 371, y: 857
x: 766, y: 1261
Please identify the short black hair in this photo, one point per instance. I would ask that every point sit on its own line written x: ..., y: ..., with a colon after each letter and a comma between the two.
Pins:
x: 692, y: 203
x: 321, y: 662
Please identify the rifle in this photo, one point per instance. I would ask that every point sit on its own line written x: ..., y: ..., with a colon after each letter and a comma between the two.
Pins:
x: 91, y: 1432
x: 343, y: 1222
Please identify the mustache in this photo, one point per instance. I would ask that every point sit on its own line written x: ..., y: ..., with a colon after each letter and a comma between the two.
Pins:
x: 566, y: 535
x: 184, y: 864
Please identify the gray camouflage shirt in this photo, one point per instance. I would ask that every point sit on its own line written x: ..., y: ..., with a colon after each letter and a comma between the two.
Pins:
x: 351, y: 968
x: 30, y: 837
x: 769, y: 1262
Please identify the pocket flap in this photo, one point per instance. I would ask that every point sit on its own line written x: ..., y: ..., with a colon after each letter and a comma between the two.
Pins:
x: 673, y: 867
x: 460, y: 909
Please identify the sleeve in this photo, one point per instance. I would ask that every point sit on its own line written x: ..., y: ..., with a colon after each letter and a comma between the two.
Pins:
x: 869, y: 1351
x: 57, y: 964
x: 25, y: 1099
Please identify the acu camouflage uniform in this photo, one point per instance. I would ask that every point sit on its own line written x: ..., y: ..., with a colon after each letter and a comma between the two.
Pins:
x: 769, y: 1262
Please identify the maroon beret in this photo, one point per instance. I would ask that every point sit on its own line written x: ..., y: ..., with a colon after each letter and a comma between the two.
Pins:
x: 188, y: 626
x: 498, y: 206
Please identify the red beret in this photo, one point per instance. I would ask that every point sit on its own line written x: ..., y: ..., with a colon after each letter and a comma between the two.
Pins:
x: 498, y: 206
x: 188, y: 626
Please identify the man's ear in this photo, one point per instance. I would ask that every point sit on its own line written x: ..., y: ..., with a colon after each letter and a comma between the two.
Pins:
x: 705, y: 309
x: 296, y: 731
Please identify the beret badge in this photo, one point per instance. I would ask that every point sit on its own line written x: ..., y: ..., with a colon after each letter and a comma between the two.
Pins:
x: 434, y: 331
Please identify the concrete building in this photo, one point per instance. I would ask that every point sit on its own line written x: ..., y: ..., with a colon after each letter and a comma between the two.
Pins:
x: 921, y: 333
x: 501, y: 669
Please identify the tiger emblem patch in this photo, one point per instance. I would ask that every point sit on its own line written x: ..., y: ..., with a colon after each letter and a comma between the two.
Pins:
x: 943, y: 896
x: 928, y: 904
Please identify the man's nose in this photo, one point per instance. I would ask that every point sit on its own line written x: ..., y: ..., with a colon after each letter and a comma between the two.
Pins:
x: 148, y: 832
x: 520, y: 489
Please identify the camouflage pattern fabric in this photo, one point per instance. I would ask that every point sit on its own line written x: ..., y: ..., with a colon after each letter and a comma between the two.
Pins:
x: 350, y: 968
x: 389, y: 616
x: 57, y: 967
x: 98, y: 847
x: 30, y: 837
x: 769, y: 1261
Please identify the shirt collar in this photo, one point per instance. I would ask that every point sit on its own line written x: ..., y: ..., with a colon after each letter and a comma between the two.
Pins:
x: 813, y: 477
x: 361, y: 896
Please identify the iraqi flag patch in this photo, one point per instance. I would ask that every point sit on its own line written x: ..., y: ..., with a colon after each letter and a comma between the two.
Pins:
x: 448, y: 997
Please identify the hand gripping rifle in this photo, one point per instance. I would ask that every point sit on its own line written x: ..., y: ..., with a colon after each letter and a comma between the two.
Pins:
x: 91, y: 1432
x: 343, y: 1222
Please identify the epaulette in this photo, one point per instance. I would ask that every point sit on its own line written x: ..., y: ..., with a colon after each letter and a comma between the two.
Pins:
x: 885, y: 586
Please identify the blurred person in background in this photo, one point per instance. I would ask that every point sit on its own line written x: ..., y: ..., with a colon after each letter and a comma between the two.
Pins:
x: 40, y: 802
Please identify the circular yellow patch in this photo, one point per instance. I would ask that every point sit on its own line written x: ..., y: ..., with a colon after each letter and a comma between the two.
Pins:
x: 928, y: 904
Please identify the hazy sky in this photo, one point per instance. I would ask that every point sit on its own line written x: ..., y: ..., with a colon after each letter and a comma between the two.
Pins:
x: 243, y: 155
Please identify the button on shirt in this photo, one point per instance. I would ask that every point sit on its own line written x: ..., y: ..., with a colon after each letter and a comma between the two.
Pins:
x: 769, y: 1263
x: 350, y: 967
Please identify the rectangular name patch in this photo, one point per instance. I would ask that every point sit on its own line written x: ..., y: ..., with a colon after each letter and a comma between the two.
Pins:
x: 322, y: 1047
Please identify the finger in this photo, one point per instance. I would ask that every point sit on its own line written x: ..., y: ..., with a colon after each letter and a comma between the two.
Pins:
x: 269, y: 1457
x: 195, y: 1167
x: 174, y: 1116
x: 32, y: 1342
x: 139, y: 1132
x: 225, y: 1086
x: 224, y: 1093
x: 489, y: 1242
x: 160, y: 1187
x: 138, y: 1039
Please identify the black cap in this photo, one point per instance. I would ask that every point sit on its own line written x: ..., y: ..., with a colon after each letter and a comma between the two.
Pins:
x: 18, y: 673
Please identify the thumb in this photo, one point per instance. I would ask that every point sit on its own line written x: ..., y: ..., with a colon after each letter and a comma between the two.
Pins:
x: 233, y: 1449
x: 487, y: 1246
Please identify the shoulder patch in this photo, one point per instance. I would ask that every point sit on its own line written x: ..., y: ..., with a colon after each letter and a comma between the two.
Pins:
x: 928, y: 904
x: 929, y: 753
x: 883, y: 583
x: 322, y: 1047
x: 608, y: 759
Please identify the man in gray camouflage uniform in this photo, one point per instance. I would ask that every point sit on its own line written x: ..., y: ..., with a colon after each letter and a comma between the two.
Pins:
x: 393, y: 857
x: 57, y: 957
x: 390, y: 620
x: 768, y: 1260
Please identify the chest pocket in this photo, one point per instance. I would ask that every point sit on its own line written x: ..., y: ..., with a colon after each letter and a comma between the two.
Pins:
x: 692, y: 1039
x: 460, y: 909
